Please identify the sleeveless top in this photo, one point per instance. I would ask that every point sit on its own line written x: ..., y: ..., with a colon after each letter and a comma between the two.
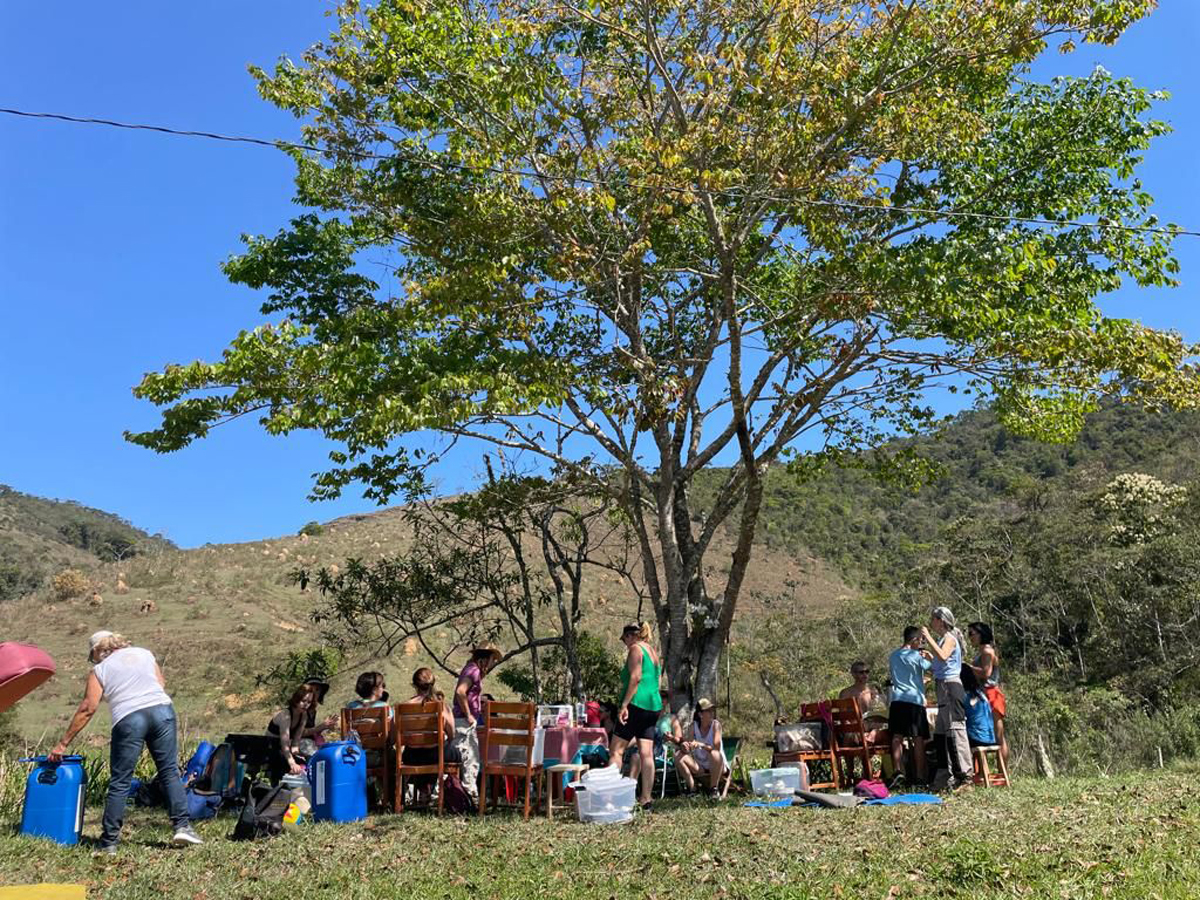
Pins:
x: 700, y: 753
x: 951, y: 669
x: 130, y: 682
x: 646, y: 697
x: 994, y: 679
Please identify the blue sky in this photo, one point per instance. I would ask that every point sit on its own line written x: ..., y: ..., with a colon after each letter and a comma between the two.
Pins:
x: 110, y: 243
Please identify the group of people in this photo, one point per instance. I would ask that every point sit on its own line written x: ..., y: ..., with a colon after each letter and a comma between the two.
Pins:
x: 300, y: 734
x: 970, y: 702
x: 971, y: 710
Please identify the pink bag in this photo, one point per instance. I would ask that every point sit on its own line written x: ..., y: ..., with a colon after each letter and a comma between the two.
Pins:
x: 871, y: 788
x: 22, y: 668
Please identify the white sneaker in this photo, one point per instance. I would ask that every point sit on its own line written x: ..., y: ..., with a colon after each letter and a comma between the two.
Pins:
x: 185, y: 836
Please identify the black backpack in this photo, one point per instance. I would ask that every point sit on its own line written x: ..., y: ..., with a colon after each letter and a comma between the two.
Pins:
x: 262, y: 816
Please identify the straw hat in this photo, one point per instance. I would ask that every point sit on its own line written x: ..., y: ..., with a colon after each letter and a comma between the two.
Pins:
x: 489, y: 650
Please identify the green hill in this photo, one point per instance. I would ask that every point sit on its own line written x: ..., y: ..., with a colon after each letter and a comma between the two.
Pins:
x: 39, y: 537
x: 829, y: 583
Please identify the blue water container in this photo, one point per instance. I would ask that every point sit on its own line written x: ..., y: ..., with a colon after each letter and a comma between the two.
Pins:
x: 338, y: 777
x: 54, y: 799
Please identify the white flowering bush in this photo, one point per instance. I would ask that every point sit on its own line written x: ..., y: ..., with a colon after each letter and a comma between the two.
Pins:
x: 1139, y: 507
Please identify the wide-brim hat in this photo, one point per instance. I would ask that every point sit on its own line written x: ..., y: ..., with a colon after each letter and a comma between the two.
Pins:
x: 490, y: 650
x: 320, y: 687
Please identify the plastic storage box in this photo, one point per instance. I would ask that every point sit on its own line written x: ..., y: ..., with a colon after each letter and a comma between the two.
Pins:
x: 549, y: 716
x: 775, y: 782
x: 604, y: 795
x: 338, y: 778
x: 54, y: 799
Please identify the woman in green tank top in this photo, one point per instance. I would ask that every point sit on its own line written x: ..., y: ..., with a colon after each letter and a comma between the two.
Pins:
x: 640, y: 704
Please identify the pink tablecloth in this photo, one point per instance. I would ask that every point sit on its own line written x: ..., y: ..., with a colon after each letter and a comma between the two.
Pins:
x: 563, y: 743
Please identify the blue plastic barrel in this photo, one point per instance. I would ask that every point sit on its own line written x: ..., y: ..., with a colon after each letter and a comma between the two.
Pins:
x: 337, y: 774
x: 54, y: 799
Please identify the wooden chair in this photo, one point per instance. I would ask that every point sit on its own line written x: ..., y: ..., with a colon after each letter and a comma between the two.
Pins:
x: 983, y: 773
x: 850, y: 740
x: 507, y: 725
x: 811, y: 712
x: 375, y: 726
x: 419, y: 726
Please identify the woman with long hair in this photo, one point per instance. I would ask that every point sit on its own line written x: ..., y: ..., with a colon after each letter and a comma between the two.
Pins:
x: 637, y: 716
x: 290, y: 725
x: 986, y: 667
x: 950, y: 730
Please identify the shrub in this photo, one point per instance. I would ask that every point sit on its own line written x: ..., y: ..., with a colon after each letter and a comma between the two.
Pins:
x: 313, y: 529
x: 316, y: 662
x: 70, y: 583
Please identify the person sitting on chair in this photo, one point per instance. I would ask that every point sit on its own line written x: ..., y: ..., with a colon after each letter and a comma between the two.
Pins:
x: 425, y: 691
x: 702, y: 753
x: 371, y: 690
x: 869, y: 700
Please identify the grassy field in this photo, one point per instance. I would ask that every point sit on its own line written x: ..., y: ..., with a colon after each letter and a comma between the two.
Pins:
x: 1071, y: 838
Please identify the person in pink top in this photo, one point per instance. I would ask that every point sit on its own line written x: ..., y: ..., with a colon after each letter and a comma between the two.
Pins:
x: 130, y: 679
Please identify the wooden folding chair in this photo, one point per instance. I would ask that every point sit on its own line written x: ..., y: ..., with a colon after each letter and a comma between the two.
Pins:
x: 507, y: 725
x: 849, y: 739
x: 420, y: 725
x: 375, y: 727
x: 811, y: 712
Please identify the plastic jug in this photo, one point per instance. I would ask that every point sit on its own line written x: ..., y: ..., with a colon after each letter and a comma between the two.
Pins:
x: 337, y: 775
x: 54, y: 799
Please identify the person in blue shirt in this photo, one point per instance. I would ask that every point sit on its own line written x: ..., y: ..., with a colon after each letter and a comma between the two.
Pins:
x: 906, y: 712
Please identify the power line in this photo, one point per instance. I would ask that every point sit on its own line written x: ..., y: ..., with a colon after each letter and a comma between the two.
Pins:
x: 593, y: 182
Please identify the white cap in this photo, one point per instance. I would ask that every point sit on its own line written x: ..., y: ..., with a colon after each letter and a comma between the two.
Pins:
x: 96, y: 639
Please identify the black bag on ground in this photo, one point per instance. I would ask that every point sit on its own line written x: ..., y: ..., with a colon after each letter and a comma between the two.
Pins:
x: 262, y: 816
x: 455, y: 798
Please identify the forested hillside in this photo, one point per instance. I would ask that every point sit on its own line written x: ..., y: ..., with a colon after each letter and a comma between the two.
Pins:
x: 40, y: 537
x: 1085, y: 557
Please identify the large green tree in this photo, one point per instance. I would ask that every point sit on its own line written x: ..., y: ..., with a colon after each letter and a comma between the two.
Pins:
x: 642, y: 237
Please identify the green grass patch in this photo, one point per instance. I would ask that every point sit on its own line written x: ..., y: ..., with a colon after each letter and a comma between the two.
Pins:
x: 1072, y: 838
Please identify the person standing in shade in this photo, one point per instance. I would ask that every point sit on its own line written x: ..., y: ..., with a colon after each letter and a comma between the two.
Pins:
x: 906, y: 712
x: 950, y: 729
x: 468, y: 710
x: 130, y: 679
x: 637, y: 716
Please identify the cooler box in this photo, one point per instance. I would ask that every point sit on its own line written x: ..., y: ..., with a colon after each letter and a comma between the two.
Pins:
x: 54, y: 799
x: 337, y: 774
x: 22, y: 668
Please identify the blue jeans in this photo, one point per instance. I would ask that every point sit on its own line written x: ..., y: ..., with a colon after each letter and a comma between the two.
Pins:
x: 155, y: 728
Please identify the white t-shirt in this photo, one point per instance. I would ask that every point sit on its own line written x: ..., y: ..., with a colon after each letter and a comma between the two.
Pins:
x: 129, y: 681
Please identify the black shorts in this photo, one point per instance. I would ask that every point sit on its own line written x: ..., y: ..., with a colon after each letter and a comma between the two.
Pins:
x: 908, y: 720
x: 641, y: 724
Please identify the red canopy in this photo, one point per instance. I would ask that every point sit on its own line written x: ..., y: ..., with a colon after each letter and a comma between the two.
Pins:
x: 22, y: 668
